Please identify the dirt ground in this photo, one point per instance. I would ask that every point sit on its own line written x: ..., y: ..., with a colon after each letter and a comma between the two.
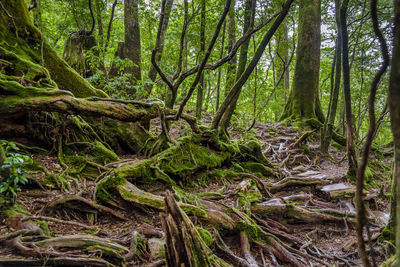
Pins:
x: 334, y: 243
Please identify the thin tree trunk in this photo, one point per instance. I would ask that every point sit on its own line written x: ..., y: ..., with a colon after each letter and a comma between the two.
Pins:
x: 246, y: 74
x: 351, y: 153
x: 326, y: 132
x: 220, y: 70
x: 230, y: 70
x: 200, y: 88
x: 159, y: 46
x: 249, y: 13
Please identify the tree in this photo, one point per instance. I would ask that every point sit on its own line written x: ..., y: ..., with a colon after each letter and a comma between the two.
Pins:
x: 249, y: 13
x: 159, y: 46
x: 303, y: 102
x: 394, y: 107
x: 200, y: 88
x: 132, y: 46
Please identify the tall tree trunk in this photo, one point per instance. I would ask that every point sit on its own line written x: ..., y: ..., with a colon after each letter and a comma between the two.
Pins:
x: 230, y: 71
x: 200, y: 88
x: 281, y: 61
x: 250, y: 6
x: 351, y: 154
x: 394, y: 100
x: 98, y: 9
x: 220, y: 69
x: 132, y: 47
x: 302, y: 102
x: 159, y: 46
x: 326, y: 132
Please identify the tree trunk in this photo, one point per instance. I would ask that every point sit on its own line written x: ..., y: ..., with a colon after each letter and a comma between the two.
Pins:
x: 327, y: 130
x: 246, y: 74
x: 159, y: 46
x: 351, y: 154
x: 132, y: 47
x: 394, y: 107
x: 200, y: 88
x: 230, y: 70
x: 250, y: 6
x: 302, y: 102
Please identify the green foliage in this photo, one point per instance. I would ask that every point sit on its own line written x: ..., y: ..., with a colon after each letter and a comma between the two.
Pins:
x: 12, y: 173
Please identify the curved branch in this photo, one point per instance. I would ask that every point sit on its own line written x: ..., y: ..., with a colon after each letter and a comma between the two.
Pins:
x: 361, y: 216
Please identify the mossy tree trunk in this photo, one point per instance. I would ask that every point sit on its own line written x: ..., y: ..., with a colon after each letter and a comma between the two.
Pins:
x: 200, y: 88
x: 281, y: 63
x: 34, y: 78
x: 394, y: 100
x: 230, y: 70
x: 303, y: 99
x: 132, y: 47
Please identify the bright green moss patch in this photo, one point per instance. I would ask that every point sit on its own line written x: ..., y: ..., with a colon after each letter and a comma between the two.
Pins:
x: 205, y: 235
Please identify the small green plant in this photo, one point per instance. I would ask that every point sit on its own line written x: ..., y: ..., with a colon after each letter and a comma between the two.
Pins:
x: 12, y: 174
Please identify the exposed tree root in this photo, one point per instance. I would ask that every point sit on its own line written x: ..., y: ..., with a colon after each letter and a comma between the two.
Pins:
x: 184, y: 246
x: 82, y: 204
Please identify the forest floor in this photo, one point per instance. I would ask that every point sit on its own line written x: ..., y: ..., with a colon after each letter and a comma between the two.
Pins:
x: 332, y: 242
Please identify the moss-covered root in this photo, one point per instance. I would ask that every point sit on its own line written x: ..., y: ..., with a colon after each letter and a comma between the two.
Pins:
x: 316, y: 124
x: 184, y: 246
x: 110, y: 188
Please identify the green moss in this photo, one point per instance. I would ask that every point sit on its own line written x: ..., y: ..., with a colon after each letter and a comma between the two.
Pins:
x: 15, y: 209
x: 139, y: 170
x: 255, y: 167
x: 107, y: 186
x: 219, y: 175
x: 44, y: 227
x: 205, y: 235
x: 187, y: 157
x: 306, y: 149
x: 102, y: 154
x: 193, y: 210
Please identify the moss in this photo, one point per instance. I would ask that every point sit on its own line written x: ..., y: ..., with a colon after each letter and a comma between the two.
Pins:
x: 102, y: 154
x: 205, y: 235
x: 15, y: 209
x: 193, y: 210
x: 253, y: 195
x: 187, y: 157
x: 306, y: 149
x: 255, y: 167
x: 138, y: 170
x: 219, y: 175
x: 106, y: 187
x: 252, y: 230
x: 44, y: 227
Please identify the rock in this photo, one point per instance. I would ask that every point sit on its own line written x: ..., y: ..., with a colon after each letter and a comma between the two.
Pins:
x: 156, y: 247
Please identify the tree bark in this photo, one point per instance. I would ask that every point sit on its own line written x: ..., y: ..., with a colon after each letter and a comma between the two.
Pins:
x: 302, y: 102
x: 159, y: 46
x: 394, y: 107
x: 351, y: 153
x: 200, y: 88
x: 246, y: 74
x: 132, y: 47
x: 230, y: 70
x: 327, y: 130
x: 250, y: 6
